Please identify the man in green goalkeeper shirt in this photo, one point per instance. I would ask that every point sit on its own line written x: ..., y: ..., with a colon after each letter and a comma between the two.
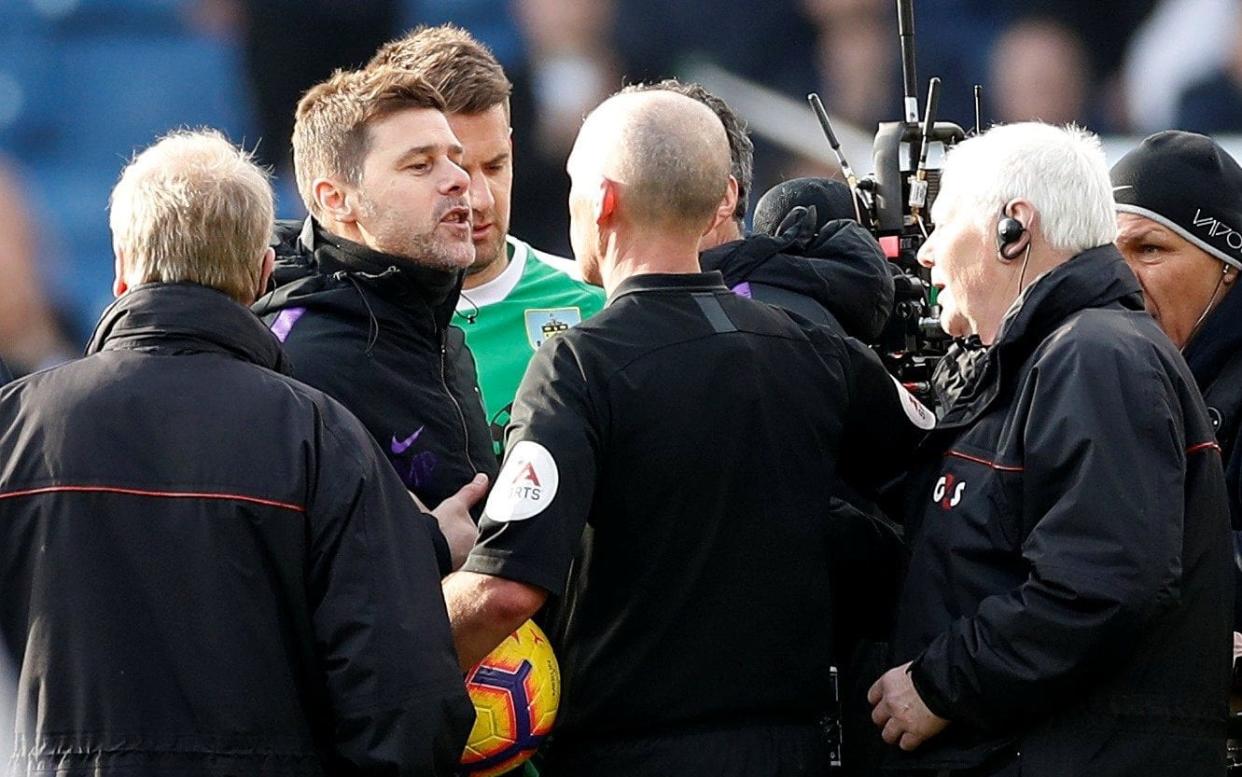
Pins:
x: 514, y: 297
x: 536, y: 296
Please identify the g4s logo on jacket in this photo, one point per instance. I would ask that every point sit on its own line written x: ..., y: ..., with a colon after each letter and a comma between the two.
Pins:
x: 948, y: 491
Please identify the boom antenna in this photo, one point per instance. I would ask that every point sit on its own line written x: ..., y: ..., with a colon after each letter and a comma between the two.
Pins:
x: 918, y: 182
x: 978, y: 113
x: 905, y: 33
x: 818, y: 107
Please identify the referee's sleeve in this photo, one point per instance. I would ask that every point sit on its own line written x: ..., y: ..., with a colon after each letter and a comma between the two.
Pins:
x: 533, y: 521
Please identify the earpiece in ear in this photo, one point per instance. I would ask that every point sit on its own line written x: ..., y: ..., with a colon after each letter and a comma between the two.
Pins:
x: 1008, y: 231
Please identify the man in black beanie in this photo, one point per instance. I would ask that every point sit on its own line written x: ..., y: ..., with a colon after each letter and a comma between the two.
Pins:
x: 831, y: 200
x: 1179, y: 212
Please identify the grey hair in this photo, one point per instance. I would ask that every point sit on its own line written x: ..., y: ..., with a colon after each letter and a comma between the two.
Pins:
x: 194, y: 207
x: 1061, y: 171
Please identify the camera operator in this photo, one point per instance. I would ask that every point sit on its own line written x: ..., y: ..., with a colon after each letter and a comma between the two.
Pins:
x: 667, y: 473
x: 1179, y: 204
x: 1069, y: 531
x: 824, y: 266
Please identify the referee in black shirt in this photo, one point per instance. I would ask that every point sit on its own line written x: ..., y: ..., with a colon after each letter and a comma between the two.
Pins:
x: 667, y: 479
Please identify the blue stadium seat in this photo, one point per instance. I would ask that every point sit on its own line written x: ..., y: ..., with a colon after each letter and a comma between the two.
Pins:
x: 488, y: 20
x: 117, y: 94
x: 95, y: 99
x: 99, y: 16
x: 27, y: 120
x: 70, y: 203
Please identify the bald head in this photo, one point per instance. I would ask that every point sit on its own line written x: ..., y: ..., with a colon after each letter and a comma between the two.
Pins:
x: 668, y: 154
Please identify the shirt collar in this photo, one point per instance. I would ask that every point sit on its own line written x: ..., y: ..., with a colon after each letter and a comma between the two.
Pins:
x: 663, y: 282
x: 499, y: 288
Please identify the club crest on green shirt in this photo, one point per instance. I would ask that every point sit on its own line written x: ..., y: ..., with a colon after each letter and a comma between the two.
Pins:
x: 542, y: 324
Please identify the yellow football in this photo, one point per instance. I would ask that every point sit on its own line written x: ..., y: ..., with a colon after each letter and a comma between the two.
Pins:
x: 516, y: 690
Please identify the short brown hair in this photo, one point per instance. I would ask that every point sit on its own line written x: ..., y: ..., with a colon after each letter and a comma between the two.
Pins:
x: 330, y: 135
x: 463, y: 70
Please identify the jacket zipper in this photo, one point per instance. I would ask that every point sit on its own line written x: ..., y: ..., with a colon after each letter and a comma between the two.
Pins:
x: 465, y: 430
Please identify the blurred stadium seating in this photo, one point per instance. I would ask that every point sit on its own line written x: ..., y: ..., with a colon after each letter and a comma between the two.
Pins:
x: 84, y: 83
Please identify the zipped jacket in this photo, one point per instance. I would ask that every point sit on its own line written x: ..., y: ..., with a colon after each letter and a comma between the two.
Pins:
x: 207, y: 567
x: 1069, y: 596
x: 372, y: 331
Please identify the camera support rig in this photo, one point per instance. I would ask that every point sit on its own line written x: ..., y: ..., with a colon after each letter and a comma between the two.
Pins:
x: 894, y: 203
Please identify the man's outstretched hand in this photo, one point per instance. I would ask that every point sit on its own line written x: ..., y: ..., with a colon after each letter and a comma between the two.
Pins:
x: 453, y: 516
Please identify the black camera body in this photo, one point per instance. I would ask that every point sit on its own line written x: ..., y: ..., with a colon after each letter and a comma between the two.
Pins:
x: 894, y: 202
x: 913, y: 342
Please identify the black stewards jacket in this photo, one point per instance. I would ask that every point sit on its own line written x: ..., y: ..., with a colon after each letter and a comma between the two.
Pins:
x: 372, y: 331
x: 207, y: 567
x: 1069, y: 595
x: 1215, y: 358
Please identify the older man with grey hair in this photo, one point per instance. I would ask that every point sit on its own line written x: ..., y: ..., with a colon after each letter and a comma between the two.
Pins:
x: 1067, y: 606
x: 667, y: 478
x: 208, y: 568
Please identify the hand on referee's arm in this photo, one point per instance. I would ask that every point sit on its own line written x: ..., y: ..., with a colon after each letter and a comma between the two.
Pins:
x: 898, y: 709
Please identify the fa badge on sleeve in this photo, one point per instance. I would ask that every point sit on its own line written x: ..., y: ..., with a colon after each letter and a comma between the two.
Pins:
x: 526, y: 484
x: 542, y: 324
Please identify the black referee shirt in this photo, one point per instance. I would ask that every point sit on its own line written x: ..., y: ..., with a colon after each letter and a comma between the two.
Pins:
x: 668, y: 473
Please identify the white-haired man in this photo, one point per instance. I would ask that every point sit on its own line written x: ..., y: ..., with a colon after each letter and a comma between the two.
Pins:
x: 208, y: 568
x: 1067, y: 604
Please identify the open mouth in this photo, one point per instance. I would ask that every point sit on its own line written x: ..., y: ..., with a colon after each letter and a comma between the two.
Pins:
x: 457, y: 216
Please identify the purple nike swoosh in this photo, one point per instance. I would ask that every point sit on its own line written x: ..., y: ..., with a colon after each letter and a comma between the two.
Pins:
x: 400, y: 446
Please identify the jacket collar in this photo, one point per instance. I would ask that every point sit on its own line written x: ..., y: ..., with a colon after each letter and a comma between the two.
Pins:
x: 1098, y: 277
x: 185, y: 318
x: 392, y: 277
x: 1218, y: 340
x: 700, y: 281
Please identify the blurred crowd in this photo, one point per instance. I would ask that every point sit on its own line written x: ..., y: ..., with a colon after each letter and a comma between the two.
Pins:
x: 85, y: 82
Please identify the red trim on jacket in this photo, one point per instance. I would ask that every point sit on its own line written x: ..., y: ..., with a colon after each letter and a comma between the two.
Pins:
x: 984, y: 462
x: 1210, y: 445
x: 152, y: 493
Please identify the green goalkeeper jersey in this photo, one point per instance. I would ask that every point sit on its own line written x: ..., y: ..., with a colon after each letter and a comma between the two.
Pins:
x: 537, y: 297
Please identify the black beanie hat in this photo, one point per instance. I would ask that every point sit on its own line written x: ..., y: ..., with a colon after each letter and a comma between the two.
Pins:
x: 1188, y: 183
x: 832, y: 200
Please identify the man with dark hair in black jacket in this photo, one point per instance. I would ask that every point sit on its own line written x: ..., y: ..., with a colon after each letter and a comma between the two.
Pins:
x: 1067, y: 607
x: 207, y: 567
x: 368, y: 287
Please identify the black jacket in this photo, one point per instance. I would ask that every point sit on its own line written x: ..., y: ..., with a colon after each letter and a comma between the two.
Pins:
x: 666, y: 478
x: 1215, y: 358
x: 373, y: 331
x: 5, y: 375
x: 1069, y: 591
x: 208, y: 569
x: 839, y: 277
